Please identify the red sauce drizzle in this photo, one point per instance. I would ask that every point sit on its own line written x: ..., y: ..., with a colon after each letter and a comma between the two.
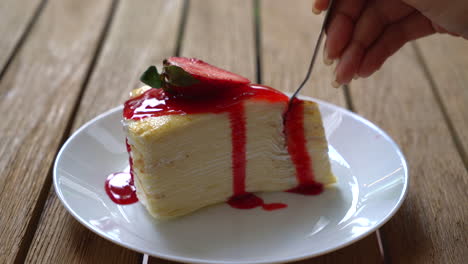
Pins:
x: 155, y: 102
x: 239, y: 141
x: 297, y: 148
x: 120, y: 185
x: 250, y: 200
x: 242, y: 199
x: 120, y: 188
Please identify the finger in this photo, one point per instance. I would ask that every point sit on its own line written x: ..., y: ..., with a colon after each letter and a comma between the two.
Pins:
x: 319, y: 6
x: 349, y: 63
x: 376, y: 17
x: 340, y: 28
x: 393, y: 38
x: 368, y: 28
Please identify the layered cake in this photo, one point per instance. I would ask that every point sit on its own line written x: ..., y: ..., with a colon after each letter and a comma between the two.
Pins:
x: 198, y: 135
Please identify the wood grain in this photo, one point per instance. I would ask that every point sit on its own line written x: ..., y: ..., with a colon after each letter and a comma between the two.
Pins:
x: 288, y: 35
x: 40, y: 88
x: 128, y: 50
x: 221, y: 33
x: 446, y: 60
x: 152, y: 260
x: 15, y: 17
x: 431, y: 225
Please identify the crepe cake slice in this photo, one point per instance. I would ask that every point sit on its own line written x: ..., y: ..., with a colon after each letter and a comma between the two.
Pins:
x: 232, y: 140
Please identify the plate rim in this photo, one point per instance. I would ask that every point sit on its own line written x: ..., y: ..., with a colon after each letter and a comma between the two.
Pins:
x: 365, y: 121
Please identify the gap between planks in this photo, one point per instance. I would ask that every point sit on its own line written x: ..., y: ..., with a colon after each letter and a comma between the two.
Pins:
x: 181, y: 30
x: 22, y: 39
x: 258, y: 39
x: 347, y: 95
x: 41, y: 201
x: 438, y: 98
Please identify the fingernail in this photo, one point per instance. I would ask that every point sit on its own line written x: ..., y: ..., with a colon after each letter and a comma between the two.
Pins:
x: 326, y: 60
x: 316, y: 11
x: 335, y: 84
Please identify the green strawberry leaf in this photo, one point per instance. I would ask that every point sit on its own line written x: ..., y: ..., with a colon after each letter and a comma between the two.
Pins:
x: 152, y: 78
x: 177, y: 76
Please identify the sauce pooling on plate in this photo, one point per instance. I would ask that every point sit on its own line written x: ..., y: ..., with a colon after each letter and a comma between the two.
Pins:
x: 156, y: 102
x: 120, y: 186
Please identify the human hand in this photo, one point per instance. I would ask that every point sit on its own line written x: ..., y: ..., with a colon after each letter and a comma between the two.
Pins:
x: 363, y: 34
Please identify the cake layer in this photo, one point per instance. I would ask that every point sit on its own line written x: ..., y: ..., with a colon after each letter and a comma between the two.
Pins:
x: 181, y: 162
x: 317, y: 145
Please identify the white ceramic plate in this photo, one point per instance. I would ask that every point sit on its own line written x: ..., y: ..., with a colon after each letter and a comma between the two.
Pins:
x: 372, y: 184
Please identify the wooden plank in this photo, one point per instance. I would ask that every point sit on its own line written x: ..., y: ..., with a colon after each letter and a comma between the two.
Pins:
x: 60, y: 238
x: 221, y: 33
x: 446, y: 60
x: 151, y: 260
x: 288, y: 35
x: 39, y: 91
x: 15, y: 16
x: 128, y: 50
x: 431, y: 225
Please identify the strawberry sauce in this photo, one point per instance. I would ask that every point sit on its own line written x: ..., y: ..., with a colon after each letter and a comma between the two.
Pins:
x: 156, y: 102
x: 239, y: 142
x: 120, y: 186
x: 242, y: 199
x: 297, y: 148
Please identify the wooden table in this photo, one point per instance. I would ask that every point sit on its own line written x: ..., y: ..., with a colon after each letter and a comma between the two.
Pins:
x: 62, y: 62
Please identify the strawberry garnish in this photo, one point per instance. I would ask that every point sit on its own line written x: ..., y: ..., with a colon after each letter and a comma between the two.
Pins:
x: 189, y: 77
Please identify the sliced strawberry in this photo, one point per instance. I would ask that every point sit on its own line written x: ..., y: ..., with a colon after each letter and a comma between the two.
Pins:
x: 189, y: 77
x: 207, y: 73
